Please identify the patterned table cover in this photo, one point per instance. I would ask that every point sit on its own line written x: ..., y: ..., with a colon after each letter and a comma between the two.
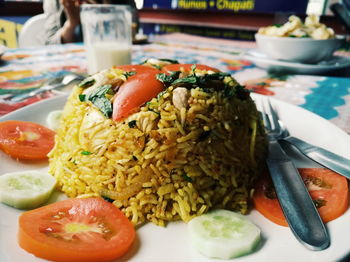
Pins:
x: 22, y: 70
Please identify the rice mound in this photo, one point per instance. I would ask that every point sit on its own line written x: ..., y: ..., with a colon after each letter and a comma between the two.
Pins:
x: 173, y: 159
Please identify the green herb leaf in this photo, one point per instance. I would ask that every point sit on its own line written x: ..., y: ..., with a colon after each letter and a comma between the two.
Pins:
x: 205, y: 79
x: 193, y: 68
x: 108, y: 199
x: 82, y: 97
x: 187, y: 178
x: 161, y: 94
x: 128, y: 74
x: 168, y: 79
x: 85, y: 153
x: 99, y: 99
x: 242, y: 93
x: 216, y: 76
x: 152, y: 110
x: 171, y: 61
x: 186, y: 80
x: 104, y: 105
x: 87, y: 82
x: 238, y: 91
x: 100, y: 91
x: 132, y: 124
x: 229, y: 92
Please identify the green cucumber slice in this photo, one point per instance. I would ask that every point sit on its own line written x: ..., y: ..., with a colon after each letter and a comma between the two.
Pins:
x: 223, y: 234
x: 26, y: 189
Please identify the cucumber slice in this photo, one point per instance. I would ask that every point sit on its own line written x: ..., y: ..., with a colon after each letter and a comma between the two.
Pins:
x: 53, y: 119
x: 223, y: 234
x: 26, y: 189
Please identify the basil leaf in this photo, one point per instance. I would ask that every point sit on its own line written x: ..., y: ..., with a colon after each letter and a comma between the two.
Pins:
x: 132, y: 124
x: 161, y: 94
x: 217, y: 76
x: 128, y: 74
x: 229, y: 92
x: 99, y: 99
x: 152, y: 110
x: 193, y: 68
x: 100, y: 91
x: 189, y: 80
x: 104, y: 105
x: 87, y: 82
x: 82, y: 97
x: 187, y: 178
x: 108, y: 199
x: 239, y: 91
x: 85, y: 153
x: 168, y: 79
x: 172, y: 61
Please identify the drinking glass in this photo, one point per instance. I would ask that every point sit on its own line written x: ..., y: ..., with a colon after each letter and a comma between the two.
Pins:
x: 107, y: 34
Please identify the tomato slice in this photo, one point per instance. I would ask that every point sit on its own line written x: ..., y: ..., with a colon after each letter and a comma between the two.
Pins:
x: 265, y: 201
x: 187, y: 67
x: 26, y: 140
x: 89, y: 229
x: 138, y: 68
x: 137, y: 90
x: 328, y: 190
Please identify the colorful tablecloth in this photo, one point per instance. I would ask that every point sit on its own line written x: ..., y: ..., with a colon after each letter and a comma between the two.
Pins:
x: 22, y: 70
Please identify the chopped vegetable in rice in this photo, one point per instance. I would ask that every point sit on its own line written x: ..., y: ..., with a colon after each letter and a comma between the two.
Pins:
x: 196, y: 145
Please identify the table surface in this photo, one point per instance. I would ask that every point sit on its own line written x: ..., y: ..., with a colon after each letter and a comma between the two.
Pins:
x: 22, y: 70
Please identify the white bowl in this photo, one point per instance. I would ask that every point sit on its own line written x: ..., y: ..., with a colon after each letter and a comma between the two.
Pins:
x: 303, y: 50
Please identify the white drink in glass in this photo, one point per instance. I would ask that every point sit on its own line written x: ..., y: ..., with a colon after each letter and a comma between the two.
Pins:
x: 103, y: 55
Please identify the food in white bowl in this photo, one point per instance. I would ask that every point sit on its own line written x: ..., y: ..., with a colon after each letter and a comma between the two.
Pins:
x: 311, y: 28
x: 308, y: 42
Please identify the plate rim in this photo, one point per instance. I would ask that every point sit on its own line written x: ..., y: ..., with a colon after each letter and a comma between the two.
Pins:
x: 295, y: 65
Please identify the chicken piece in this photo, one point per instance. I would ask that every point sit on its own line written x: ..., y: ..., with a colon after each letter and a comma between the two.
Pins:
x: 180, y: 97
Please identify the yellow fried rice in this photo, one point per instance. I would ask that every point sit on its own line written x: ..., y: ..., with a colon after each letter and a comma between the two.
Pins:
x: 186, y: 151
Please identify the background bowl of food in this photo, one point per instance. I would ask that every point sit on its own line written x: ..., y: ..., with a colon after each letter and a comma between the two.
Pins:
x: 297, y: 41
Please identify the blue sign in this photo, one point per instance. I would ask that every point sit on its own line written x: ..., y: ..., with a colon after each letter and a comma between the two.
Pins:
x: 262, y: 6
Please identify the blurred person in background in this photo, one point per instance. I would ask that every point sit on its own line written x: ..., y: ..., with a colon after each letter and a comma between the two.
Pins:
x: 62, y: 23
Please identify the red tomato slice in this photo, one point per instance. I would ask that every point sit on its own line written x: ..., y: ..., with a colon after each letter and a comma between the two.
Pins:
x: 138, y: 68
x: 26, y: 140
x: 187, y: 67
x: 265, y: 201
x: 89, y: 229
x: 328, y: 190
x: 136, y: 91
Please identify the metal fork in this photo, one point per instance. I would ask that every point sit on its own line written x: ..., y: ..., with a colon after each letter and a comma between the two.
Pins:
x: 325, y: 158
x: 297, y: 205
x: 66, y: 80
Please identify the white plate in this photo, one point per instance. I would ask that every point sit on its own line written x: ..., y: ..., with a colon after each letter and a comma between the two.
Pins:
x: 263, y: 61
x: 172, y: 243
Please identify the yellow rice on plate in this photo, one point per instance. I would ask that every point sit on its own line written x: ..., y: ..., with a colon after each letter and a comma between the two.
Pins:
x: 190, y: 149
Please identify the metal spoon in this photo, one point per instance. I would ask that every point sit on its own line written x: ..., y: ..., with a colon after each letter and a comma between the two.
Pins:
x: 67, y: 79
